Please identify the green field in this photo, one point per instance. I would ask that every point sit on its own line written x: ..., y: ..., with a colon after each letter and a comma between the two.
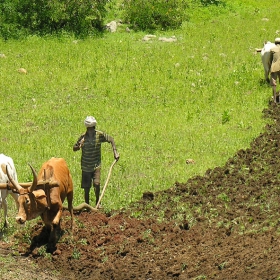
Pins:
x: 200, y: 97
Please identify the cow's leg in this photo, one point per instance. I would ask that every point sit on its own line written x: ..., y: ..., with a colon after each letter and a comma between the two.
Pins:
x: 53, y: 237
x: 70, y: 206
x: 274, y: 93
x: 3, y: 203
x: 57, y: 217
x: 48, y: 228
x: 267, y: 76
x: 56, y: 206
x: 265, y: 61
x: 266, y: 72
x: 273, y: 83
x: 55, y: 228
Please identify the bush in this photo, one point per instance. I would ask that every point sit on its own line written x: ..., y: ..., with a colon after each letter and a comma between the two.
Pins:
x: 155, y: 14
x: 80, y: 17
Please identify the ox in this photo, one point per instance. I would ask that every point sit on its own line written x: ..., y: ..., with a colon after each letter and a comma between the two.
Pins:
x: 45, y: 199
x: 265, y: 54
x: 4, y: 162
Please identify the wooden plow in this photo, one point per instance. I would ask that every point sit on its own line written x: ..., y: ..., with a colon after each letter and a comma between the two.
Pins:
x: 87, y: 207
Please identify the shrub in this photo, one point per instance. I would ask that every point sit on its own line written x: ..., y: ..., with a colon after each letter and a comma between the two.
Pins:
x: 80, y: 17
x: 155, y: 14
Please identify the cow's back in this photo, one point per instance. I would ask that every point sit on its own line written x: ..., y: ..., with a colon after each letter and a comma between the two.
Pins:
x: 266, y: 53
x: 56, y: 170
x: 5, y: 160
x: 266, y: 58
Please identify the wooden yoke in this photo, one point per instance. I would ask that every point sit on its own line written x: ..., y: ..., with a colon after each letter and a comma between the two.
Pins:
x: 24, y: 185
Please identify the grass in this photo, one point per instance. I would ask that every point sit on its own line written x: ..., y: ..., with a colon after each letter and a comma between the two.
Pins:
x: 201, y: 97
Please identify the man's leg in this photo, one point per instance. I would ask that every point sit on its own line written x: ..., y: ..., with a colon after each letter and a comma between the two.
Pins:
x: 97, y: 193
x: 87, y: 195
x: 86, y: 184
x: 96, y: 184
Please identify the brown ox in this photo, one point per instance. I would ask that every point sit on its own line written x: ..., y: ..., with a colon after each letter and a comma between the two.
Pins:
x: 46, y: 199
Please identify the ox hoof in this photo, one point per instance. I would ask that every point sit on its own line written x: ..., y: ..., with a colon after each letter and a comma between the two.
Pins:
x: 57, y: 252
x: 51, y: 248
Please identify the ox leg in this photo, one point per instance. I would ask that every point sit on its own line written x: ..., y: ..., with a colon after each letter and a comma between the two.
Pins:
x: 267, y: 77
x: 54, y: 236
x: 70, y: 206
x: 57, y: 217
x: 274, y: 93
x: 273, y: 83
x: 3, y: 201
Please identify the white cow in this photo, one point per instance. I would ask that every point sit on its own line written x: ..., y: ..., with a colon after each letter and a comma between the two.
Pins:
x: 6, y: 161
x: 265, y: 54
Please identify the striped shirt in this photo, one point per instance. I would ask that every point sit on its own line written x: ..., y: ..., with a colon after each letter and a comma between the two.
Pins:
x: 91, y: 150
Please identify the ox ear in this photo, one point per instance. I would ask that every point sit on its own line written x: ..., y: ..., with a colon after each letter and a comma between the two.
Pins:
x: 39, y: 194
x: 41, y: 199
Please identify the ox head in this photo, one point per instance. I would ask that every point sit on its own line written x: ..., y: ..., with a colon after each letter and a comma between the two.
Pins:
x: 32, y: 202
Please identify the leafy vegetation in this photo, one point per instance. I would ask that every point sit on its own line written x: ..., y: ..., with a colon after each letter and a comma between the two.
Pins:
x: 23, y: 17
x: 155, y: 14
x: 86, y: 18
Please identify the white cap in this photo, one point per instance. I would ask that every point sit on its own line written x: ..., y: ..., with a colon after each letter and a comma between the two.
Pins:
x: 90, y: 121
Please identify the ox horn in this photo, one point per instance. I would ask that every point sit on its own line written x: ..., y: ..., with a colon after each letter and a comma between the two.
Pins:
x: 14, y: 183
x: 35, y: 180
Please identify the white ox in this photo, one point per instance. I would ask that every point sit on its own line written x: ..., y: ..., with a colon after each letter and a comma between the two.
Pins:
x: 6, y: 161
x: 265, y: 54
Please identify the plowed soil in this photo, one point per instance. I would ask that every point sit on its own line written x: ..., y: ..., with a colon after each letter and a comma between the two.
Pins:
x: 223, y: 225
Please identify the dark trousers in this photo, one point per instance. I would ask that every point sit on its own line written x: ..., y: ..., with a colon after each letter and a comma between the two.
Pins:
x: 91, y: 178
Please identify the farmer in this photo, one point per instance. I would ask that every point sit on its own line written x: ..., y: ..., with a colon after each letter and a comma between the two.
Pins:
x: 90, y: 143
x: 275, y: 66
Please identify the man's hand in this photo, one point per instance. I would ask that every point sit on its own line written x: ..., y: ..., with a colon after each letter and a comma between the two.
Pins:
x: 116, y: 155
x: 82, y: 143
